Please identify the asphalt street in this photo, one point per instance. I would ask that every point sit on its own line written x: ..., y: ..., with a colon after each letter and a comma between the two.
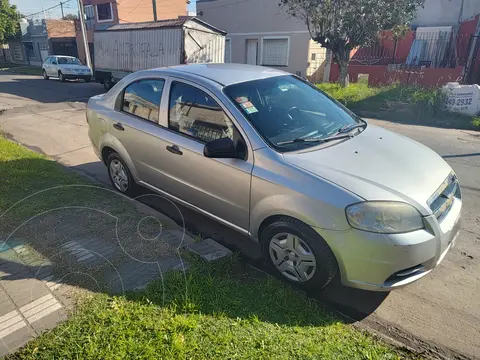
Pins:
x: 440, y: 313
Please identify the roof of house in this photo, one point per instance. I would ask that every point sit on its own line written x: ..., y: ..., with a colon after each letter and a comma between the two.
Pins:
x: 168, y: 23
x: 60, y: 28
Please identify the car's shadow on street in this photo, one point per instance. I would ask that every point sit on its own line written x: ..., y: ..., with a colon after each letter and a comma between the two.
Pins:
x: 47, y: 91
x: 354, y: 303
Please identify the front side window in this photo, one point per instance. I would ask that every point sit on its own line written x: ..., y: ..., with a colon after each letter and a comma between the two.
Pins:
x: 288, y: 113
x: 104, y: 12
x: 142, y: 99
x: 48, y: 60
x: 196, y: 114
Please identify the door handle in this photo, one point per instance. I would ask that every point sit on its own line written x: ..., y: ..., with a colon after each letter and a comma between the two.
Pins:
x: 118, y: 126
x: 174, y: 149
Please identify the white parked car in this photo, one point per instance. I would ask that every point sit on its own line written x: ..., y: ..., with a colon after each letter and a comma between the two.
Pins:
x: 66, y: 67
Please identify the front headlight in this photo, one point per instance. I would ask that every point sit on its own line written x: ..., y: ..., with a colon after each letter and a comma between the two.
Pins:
x: 385, y: 217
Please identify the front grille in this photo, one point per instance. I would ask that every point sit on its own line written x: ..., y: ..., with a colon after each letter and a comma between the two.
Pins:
x: 442, y: 200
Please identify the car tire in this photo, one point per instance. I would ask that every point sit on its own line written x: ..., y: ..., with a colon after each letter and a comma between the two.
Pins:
x: 120, y: 175
x: 309, y: 263
x: 61, y: 77
x: 87, y: 79
x: 45, y: 76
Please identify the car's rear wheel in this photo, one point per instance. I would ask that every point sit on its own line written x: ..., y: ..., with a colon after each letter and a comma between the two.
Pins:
x: 45, y: 76
x: 298, y: 253
x: 61, y: 77
x: 120, y: 175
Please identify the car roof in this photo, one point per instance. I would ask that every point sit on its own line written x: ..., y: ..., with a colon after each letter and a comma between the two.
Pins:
x: 64, y: 56
x: 227, y: 74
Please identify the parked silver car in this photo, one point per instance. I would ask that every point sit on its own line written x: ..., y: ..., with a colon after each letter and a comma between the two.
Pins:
x: 271, y: 156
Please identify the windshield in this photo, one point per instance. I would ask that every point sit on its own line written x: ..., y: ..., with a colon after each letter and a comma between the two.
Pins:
x: 69, y: 61
x: 285, y: 109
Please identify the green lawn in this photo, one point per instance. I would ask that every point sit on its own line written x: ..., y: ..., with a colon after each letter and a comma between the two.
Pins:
x: 21, y: 69
x: 225, y: 310
x: 399, y: 103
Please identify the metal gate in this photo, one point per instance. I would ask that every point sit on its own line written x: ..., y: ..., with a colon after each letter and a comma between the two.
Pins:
x: 472, y: 65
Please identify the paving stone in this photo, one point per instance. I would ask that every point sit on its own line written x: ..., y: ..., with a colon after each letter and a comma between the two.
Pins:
x: 49, y: 320
x: 177, y: 239
x: 209, y: 250
x: 15, y: 340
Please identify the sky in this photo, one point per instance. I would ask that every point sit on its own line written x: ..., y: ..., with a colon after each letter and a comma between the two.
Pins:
x: 27, y: 7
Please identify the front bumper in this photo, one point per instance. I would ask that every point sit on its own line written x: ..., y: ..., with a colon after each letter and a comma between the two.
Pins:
x: 381, y: 262
x: 82, y: 76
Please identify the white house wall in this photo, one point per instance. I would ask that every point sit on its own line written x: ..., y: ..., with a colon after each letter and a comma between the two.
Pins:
x: 254, y: 19
x: 446, y: 12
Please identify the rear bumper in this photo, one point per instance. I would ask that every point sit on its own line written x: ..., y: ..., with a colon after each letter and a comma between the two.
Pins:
x: 380, y: 262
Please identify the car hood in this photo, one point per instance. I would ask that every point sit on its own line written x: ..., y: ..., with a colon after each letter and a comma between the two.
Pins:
x: 378, y: 164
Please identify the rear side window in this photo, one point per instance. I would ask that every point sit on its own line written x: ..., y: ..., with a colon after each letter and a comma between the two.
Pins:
x: 142, y: 99
x: 196, y: 114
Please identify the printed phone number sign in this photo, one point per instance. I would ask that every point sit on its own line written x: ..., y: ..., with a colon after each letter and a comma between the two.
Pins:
x: 462, y: 100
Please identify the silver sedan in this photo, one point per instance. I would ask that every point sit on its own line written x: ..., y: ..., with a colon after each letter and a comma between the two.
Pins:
x: 271, y: 156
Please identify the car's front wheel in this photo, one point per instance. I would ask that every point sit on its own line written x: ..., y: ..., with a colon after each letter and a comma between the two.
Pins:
x: 45, y: 76
x: 61, y: 77
x: 298, y: 253
x: 87, y: 79
x: 120, y: 175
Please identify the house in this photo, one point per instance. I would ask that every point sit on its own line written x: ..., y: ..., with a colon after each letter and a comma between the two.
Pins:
x: 446, y: 12
x: 40, y: 39
x: 260, y: 33
x: 101, y: 14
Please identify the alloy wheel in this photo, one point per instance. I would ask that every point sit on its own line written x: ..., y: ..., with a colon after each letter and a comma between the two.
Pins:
x: 292, y: 257
x: 119, y: 175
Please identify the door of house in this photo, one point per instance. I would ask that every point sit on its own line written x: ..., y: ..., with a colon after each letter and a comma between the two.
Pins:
x: 252, y: 51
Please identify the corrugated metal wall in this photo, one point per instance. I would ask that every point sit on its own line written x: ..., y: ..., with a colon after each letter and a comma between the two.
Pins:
x: 133, y: 50
x: 202, y: 45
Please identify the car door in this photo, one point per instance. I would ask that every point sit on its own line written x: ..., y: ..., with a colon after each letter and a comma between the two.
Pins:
x: 53, y: 66
x: 220, y: 187
x: 134, y: 123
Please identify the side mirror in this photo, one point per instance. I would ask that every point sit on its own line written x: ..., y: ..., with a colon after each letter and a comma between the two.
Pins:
x: 223, y: 148
x: 54, y: 63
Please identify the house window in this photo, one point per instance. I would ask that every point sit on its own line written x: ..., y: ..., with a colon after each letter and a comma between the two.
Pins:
x: 228, y: 51
x: 88, y: 9
x: 17, y: 53
x: 275, y: 51
x: 104, y: 12
x: 43, y: 47
x: 314, y: 56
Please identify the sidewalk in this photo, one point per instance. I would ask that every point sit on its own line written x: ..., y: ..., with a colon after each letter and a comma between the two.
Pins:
x: 73, y: 237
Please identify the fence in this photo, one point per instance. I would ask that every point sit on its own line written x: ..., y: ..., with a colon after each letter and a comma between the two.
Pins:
x: 439, y: 49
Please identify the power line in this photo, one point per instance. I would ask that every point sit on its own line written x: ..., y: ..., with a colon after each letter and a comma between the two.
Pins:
x: 50, y: 8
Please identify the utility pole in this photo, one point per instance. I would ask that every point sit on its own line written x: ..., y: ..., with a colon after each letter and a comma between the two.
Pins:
x: 61, y: 7
x: 84, y: 34
x: 154, y: 5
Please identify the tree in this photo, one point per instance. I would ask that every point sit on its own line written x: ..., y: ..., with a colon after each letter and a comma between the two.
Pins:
x: 343, y: 25
x: 72, y: 17
x: 9, y: 26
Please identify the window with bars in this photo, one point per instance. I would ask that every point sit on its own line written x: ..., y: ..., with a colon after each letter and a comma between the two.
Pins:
x: 275, y: 51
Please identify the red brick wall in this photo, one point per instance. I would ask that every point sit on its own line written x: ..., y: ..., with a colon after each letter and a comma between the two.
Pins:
x: 379, y: 75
